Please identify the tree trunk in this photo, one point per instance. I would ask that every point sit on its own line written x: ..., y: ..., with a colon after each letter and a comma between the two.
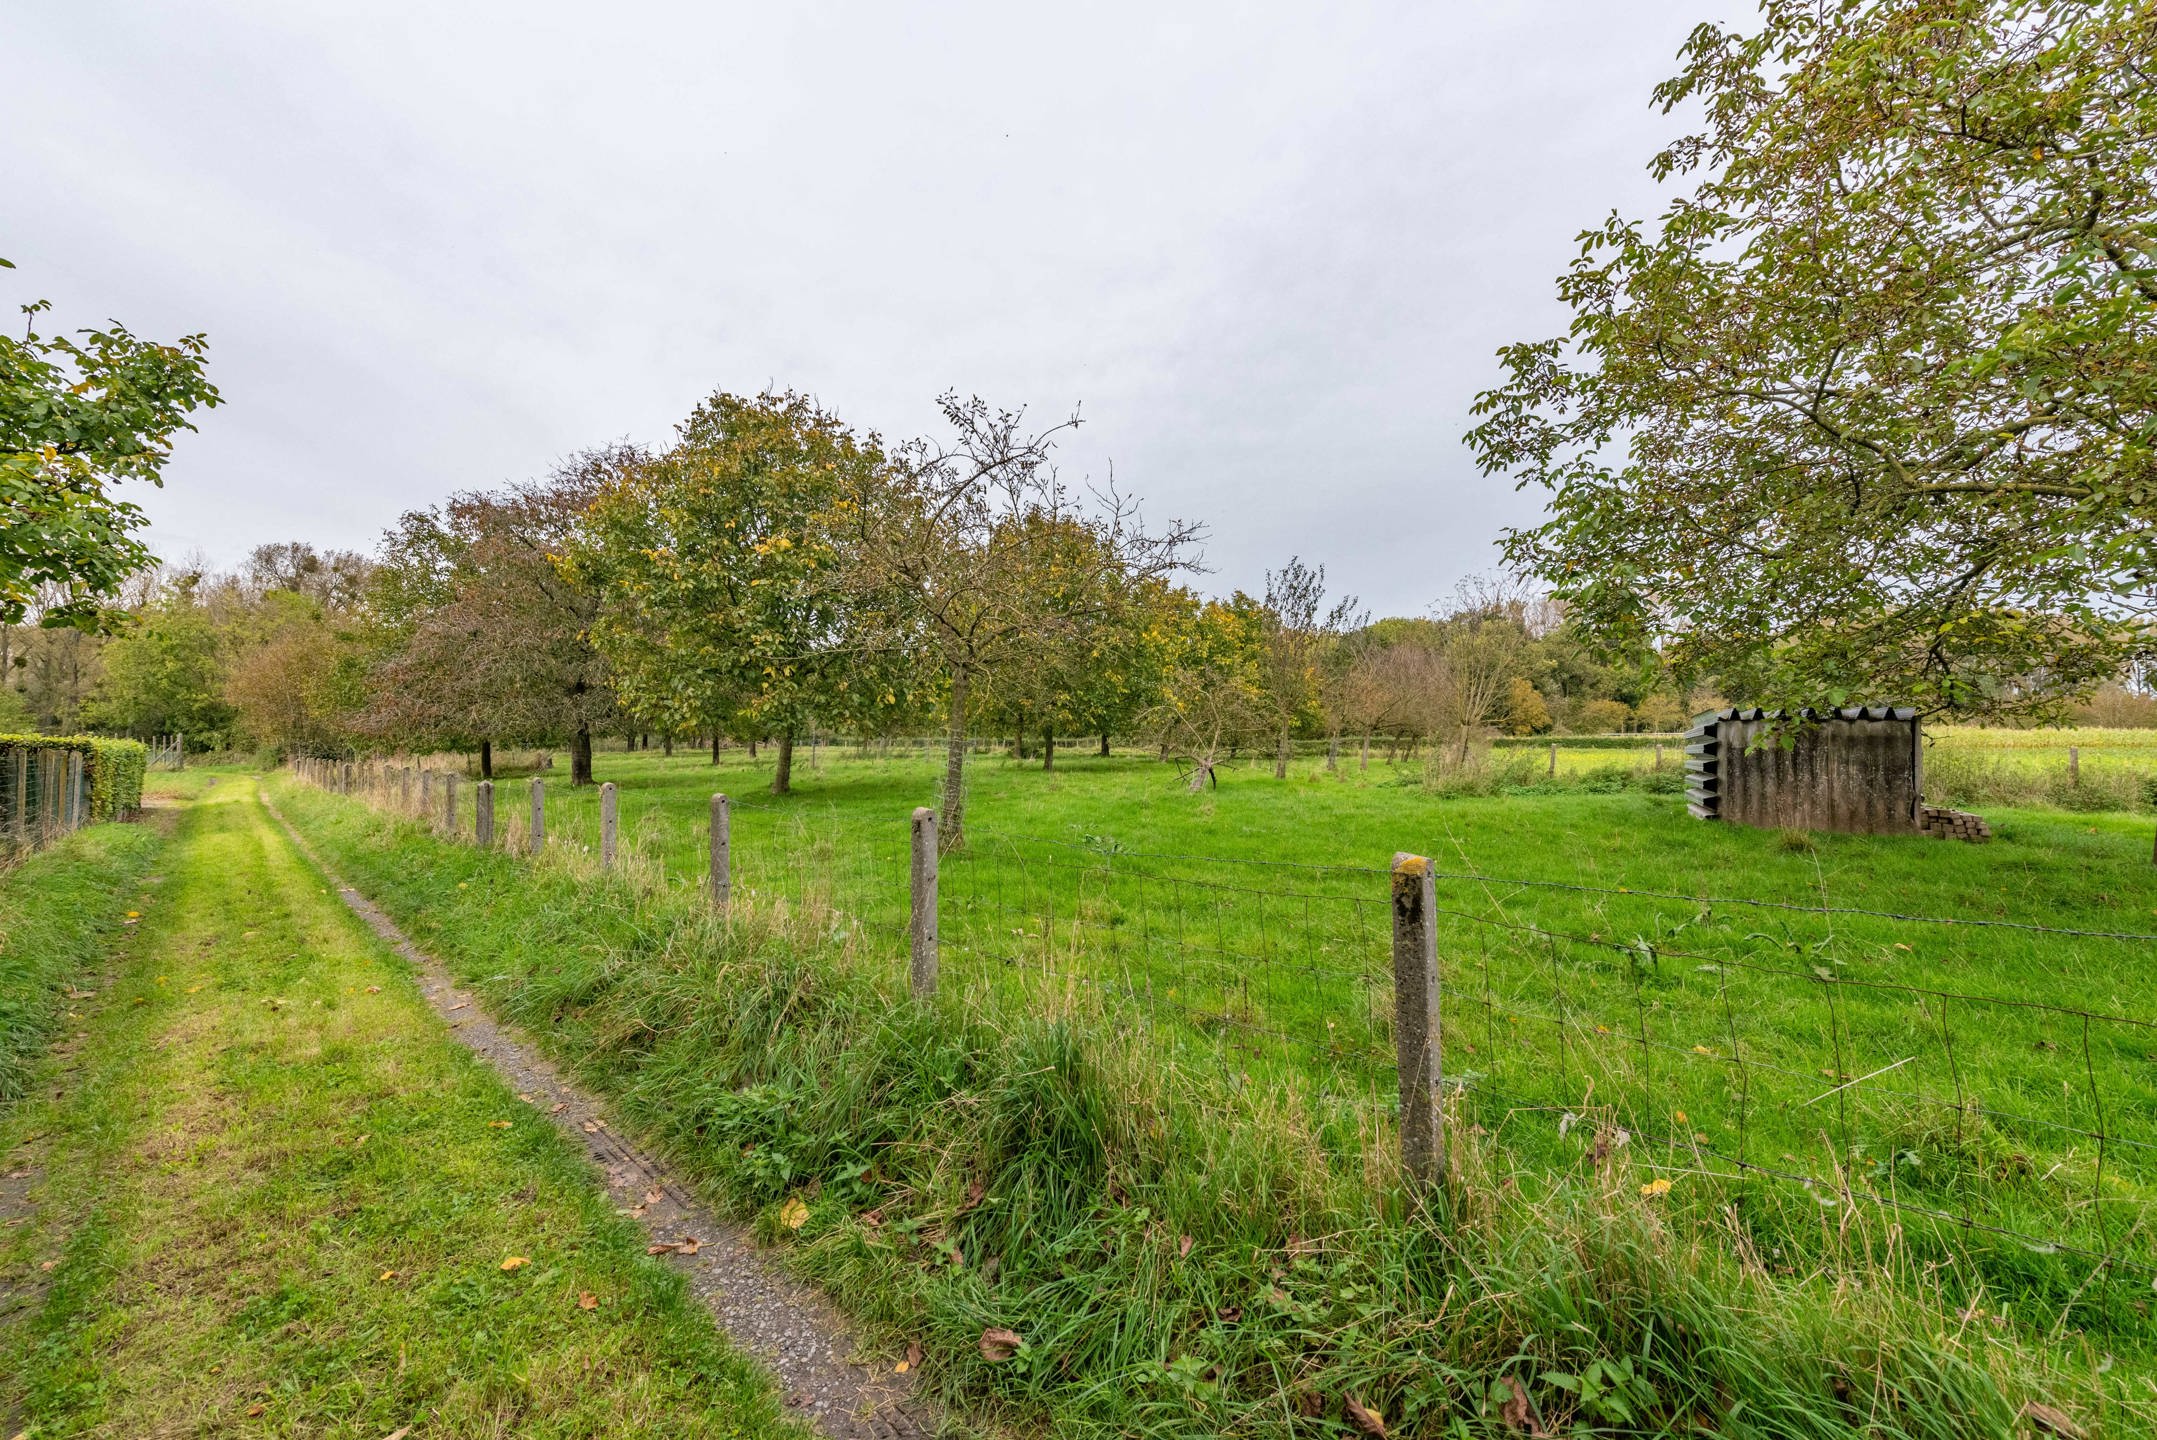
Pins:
x: 1280, y: 756
x: 486, y: 759
x: 666, y: 745
x: 1333, y: 753
x: 752, y: 747
x: 782, y: 779
x: 1104, y: 744
x: 715, y: 747
x: 1048, y: 749
x: 580, y: 756
x: 1366, y: 751
x: 951, y: 823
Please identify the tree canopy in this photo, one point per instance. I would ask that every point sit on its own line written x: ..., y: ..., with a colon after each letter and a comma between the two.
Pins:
x: 1871, y: 412
x: 78, y: 416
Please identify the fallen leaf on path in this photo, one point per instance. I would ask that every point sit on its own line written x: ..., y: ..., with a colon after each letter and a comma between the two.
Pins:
x: 1369, y: 1421
x: 688, y: 1245
x: 48, y: 1265
x: 913, y: 1355
x: 586, y: 1300
x: 515, y: 1262
x: 654, y: 1195
x: 460, y: 1004
x: 793, y: 1214
x: 998, y: 1345
x: 524, y: 1097
x: 559, y: 1107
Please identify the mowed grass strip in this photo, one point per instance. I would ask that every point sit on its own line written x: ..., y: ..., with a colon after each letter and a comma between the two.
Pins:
x: 279, y: 1201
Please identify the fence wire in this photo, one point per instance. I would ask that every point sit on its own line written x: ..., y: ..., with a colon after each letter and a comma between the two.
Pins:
x: 1795, y: 1065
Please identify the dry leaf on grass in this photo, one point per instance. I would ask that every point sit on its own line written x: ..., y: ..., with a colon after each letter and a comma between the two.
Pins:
x: 974, y: 1191
x: 2053, y: 1422
x: 399, y: 1433
x: 999, y: 1345
x: 558, y: 1107
x: 387, y: 1275
x: 586, y: 1300
x: 1183, y: 1247
x: 793, y: 1214
x: 497, y: 1124
x: 1518, y: 1414
x: 515, y: 1262
x: 1369, y: 1421
x: 257, y: 1408
x: 654, y: 1195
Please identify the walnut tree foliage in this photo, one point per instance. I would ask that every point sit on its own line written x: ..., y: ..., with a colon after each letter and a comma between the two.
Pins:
x: 1870, y: 412
x: 79, y: 416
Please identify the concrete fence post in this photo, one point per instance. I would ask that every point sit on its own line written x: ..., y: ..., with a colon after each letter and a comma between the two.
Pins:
x: 922, y: 928
x: 1553, y: 762
x: 483, y: 815
x: 18, y: 826
x: 609, y: 819
x: 449, y: 802
x: 426, y: 793
x: 539, y: 814
x: 2074, y: 764
x: 1416, y: 1042
x: 72, y: 819
x: 722, y: 879
x: 347, y: 779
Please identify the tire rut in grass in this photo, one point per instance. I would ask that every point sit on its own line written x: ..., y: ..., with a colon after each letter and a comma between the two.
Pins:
x: 785, y: 1324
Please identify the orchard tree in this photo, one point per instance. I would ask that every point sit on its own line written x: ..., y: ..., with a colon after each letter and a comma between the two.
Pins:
x: 484, y: 637
x: 1301, y: 632
x: 718, y: 566
x: 1213, y: 697
x: 79, y: 417
x: 1871, y: 412
x: 970, y: 552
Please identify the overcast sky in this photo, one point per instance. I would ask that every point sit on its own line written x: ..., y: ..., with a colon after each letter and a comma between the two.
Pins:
x: 1269, y: 248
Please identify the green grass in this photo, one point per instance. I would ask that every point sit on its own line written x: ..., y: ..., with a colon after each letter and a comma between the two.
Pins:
x: 277, y: 1201
x: 1217, y: 1027
x: 59, y: 911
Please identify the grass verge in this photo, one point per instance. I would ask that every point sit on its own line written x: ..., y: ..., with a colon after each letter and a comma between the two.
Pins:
x: 59, y: 911
x: 276, y: 1200
x: 1178, y: 1251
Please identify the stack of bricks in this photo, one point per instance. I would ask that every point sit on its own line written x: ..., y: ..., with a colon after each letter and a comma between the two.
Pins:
x: 1942, y: 823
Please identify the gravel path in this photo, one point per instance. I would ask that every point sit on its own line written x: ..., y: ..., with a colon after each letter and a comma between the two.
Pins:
x: 787, y: 1325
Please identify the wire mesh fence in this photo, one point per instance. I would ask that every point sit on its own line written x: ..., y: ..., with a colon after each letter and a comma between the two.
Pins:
x: 1774, y: 1055
x: 44, y: 795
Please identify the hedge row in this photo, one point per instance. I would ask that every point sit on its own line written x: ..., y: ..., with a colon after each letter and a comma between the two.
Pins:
x: 1640, y: 741
x: 115, y: 768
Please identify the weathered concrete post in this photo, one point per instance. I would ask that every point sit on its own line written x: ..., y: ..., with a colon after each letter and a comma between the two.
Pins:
x: 179, y: 752
x: 449, y: 802
x: 608, y: 824
x: 1553, y: 762
x: 722, y: 852
x: 483, y: 815
x: 2074, y: 764
x: 1415, y: 1020
x: 539, y: 814
x: 73, y: 800
x: 404, y: 789
x: 922, y: 928
x: 426, y: 792
x: 347, y: 783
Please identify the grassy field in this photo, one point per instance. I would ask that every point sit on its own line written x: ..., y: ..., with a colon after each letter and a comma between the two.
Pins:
x: 1608, y: 965
x: 272, y: 1198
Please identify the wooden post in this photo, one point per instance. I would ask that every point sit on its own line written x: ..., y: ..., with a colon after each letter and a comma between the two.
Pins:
x: 722, y: 880
x: 607, y: 824
x: 539, y: 814
x: 922, y: 929
x: 483, y: 815
x: 1416, y: 1041
x: 2074, y: 764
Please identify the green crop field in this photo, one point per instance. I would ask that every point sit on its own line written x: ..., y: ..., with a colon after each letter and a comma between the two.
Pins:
x: 1962, y: 1062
